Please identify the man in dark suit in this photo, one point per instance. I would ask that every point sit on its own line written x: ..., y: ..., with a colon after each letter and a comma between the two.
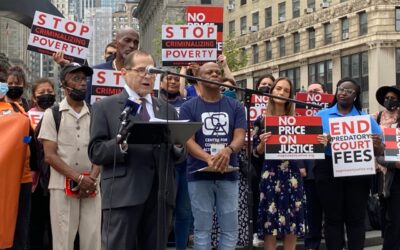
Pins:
x: 132, y: 222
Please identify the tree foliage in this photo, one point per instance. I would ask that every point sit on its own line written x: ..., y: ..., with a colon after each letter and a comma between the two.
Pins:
x: 235, y: 58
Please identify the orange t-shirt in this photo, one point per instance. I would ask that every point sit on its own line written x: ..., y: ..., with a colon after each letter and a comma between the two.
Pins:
x: 14, y: 157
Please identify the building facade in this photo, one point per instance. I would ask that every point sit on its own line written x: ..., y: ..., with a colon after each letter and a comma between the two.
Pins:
x: 314, y: 40
x: 153, y: 13
x: 123, y: 17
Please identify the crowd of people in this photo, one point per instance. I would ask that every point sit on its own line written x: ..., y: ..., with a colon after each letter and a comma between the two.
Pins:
x: 68, y: 183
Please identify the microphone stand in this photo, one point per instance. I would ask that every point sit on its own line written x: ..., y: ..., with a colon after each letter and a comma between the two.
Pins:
x: 247, y: 103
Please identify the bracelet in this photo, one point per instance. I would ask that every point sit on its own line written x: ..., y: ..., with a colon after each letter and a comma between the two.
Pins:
x: 80, y: 179
x: 231, y: 148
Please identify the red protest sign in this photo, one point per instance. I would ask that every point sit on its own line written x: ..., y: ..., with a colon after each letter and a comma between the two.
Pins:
x: 392, y: 144
x: 206, y: 15
x: 315, y: 98
x: 293, y: 137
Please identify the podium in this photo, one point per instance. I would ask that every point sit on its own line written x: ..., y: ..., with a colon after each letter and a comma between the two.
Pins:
x: 167, y: 134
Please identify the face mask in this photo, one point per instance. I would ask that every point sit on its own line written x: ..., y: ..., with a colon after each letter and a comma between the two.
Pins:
x: 15, y: 92
x: 391, y: 104
x: 264, y: 89
x: 3, y: 89
x: 45, y: 101
x: 230, y: 93
x: 76, y: 94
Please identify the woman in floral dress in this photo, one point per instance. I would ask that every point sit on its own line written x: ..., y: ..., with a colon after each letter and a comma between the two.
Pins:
x: 281, y: 207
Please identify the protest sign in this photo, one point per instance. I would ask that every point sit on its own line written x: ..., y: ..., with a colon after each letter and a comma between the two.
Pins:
x: 182, y: 44
x: 35, y: 117
x: 50, y: 34
x: 258, y: 106
x: 106, y: 83
x: 315, y: 98
x: 392, y: 144
x: 208, y: 15
x: 351, y: 144
x: 293, y: 138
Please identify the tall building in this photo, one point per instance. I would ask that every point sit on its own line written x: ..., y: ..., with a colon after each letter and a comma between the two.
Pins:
x: 99, y: 19
x: 313, y: 40
x: 153, y: 13
x: 77, y: 8
x: 113, y: 4
x: 123, y: 17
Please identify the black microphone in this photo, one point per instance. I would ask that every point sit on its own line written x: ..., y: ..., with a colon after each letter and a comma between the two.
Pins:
x: 131, y: 107
x: 150, y: 69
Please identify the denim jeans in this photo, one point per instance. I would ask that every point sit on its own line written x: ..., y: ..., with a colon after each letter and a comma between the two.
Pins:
x: 204, y: 196
x: 183, y: 212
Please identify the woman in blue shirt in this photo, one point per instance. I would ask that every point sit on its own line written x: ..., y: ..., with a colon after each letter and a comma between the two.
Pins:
x: 344, y: 199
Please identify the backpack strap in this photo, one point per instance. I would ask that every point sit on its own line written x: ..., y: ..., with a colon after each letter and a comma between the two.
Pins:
x: 57, y: 116
x: 378, y: 118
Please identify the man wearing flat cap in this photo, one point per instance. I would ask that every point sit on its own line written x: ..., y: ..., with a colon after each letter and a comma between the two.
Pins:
x: 75, y: 204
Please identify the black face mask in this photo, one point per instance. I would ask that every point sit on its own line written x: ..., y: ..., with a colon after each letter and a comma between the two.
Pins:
x: 76, y: 94
x: 15, y: 92
x: 390, y: 104
x: 46, y: 101
x: 264, y: 89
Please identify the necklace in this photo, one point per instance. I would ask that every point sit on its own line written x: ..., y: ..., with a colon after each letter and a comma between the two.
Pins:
x: 115, y: 65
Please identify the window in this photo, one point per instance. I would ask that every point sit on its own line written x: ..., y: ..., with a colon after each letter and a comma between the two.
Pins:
x: 397, y: 18
x: 281, y: 41
x: 311, y: 4
x: 243, y: 2
x: 243, y: 25
x: 243, y: 54
x: 398, y: 67
x: 232, y: 27
x: 356, y: 67
x: 255, y: 19
x: 363, y: 23
x: 255, y: 53
x: 268, y: 50
x: 294, y: 76
x: 296, y: 42
x: 268, y: 17
x: 327, y: 33
x: 321, y: 72
x: 205, y: 1
x: 281, y: 11
x: 296, y: 8
x: 345, y: 28
x: 311, y: 38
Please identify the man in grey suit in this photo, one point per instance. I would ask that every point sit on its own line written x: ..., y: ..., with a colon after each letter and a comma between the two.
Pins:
x: 130, y: 213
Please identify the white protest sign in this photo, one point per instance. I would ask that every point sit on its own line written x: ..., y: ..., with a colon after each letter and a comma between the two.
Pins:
x: 351, y: 144
x: 51, y: 33
x: 182, y: 44
x: 106, y: 83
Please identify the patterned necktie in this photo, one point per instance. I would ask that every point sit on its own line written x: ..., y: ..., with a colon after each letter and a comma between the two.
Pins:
x: 143, y: 114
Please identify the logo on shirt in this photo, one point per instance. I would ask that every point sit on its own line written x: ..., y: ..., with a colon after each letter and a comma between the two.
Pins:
x: 215, y: 123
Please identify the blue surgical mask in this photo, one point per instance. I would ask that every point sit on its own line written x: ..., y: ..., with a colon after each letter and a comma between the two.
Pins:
x: 3, y: 89
x: 230, y: 93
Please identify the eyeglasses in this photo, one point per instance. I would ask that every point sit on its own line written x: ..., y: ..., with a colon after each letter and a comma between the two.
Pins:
x: 346, y: 91
x: 141, y: 71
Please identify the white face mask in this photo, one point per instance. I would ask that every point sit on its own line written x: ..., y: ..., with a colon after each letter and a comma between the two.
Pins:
x: 3, y: 89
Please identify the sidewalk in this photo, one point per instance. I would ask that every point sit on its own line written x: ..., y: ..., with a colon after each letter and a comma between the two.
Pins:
x: 373, y: 238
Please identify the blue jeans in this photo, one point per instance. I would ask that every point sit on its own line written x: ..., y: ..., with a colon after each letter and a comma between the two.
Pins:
x: 204, y: 196
x: 183, y: 212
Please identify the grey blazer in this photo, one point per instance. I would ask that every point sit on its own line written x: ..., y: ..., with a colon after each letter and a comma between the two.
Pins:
x: 134, y: 171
